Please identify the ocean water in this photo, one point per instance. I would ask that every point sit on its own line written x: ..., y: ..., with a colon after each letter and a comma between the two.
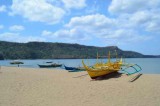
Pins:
x: 148, y: 65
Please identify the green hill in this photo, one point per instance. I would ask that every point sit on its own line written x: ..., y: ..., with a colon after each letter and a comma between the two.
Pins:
x: 45, y: 50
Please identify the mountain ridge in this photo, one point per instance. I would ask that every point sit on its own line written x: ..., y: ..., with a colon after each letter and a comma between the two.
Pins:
x: 48, y: 50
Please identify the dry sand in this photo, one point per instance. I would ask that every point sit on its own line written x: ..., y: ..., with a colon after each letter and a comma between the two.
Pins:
x: 52, y: 87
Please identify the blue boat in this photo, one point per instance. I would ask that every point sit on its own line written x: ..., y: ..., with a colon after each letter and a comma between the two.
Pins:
x: 74, y: 69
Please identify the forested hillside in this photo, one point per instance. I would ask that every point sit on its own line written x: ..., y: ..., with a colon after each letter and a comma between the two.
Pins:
x: 45, y: 50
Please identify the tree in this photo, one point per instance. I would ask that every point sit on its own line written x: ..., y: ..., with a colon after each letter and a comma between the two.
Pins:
x: 1, y: 56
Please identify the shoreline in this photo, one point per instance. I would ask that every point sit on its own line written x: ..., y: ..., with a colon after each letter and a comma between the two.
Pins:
x: 46, y: 87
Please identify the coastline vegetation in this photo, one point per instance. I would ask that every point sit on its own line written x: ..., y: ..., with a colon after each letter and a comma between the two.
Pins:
x: 47, y: 50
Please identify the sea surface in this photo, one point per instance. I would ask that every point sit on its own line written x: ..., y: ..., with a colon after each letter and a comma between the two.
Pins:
x: 148, y: 65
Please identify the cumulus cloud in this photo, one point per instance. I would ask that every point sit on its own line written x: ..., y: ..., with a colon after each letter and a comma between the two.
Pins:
x: 72, y: 34
x: 128, y: 21
x: 76, y: 4
x: 16, y: 28
x: 137, y: 14
x: 82, y: 27
x: 132, y: 21
x: 2, y: 8
x: 17, y: 37
x: 98, y: 26
x: 131, y: 6
x: 47, y: 33
x: 37, y: 10
x: 47, y: 11
x: 97, y: 20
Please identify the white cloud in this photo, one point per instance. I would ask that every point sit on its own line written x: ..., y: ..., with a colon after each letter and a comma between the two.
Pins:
x: 37, y: 10
x: 16, y: 28
x: 1, y: 26
x: 32, y: 38
x: 76, y: 4
x: 123, y: 35
x: 132, y: 21
x: 7, y: 36
x: 80, y: 28
x: 131, y: 6
x: 96, y: 19
x: 47, y: 11
x: 2, y: 8
x: 73, y: 34
x: 129, y: 21
x: 140, y: 17
x: 47, y: 33
x: 16, y: 37
x: 137, y: 15
x: 146, y: 20
x: 96, y: 27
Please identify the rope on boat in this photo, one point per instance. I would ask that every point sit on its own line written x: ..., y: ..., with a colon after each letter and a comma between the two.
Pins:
x: 135, y: 78
x: 80, y: 76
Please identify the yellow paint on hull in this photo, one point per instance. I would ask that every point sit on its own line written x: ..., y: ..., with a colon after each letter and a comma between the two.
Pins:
x: 101, y: 69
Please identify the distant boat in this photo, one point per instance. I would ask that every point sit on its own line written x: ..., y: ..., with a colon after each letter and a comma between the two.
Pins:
x: 49, y: 62
x: 16, y: 62
x: 74, y: 69
x: 49, y: 65
x: 70, y: 68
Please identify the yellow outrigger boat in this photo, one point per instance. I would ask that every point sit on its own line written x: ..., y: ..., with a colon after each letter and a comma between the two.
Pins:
x: 102, y: 69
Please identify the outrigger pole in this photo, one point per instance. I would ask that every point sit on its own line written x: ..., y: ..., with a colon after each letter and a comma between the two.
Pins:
x: 109, y: 59
x: 116, y: 55
x: 97, y: 56
x: 132, y: 66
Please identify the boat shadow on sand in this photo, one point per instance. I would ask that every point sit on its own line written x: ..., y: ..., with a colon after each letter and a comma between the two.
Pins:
x: 116, y: 75
x: 108, y: 76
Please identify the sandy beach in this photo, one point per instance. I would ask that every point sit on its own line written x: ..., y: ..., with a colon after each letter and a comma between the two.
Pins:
x: 56, y: 87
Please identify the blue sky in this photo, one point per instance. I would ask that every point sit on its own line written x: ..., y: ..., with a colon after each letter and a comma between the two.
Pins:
x: 129, y: 24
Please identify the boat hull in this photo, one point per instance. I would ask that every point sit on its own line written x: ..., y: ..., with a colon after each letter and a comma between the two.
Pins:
x: 100, y: 71
x: 49, y: 66
x: 16, y: 62
x: 70, y: 68
x: 74, y: 69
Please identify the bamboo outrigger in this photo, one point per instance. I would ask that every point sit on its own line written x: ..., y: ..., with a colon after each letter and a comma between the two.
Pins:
x: 102, y: 69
